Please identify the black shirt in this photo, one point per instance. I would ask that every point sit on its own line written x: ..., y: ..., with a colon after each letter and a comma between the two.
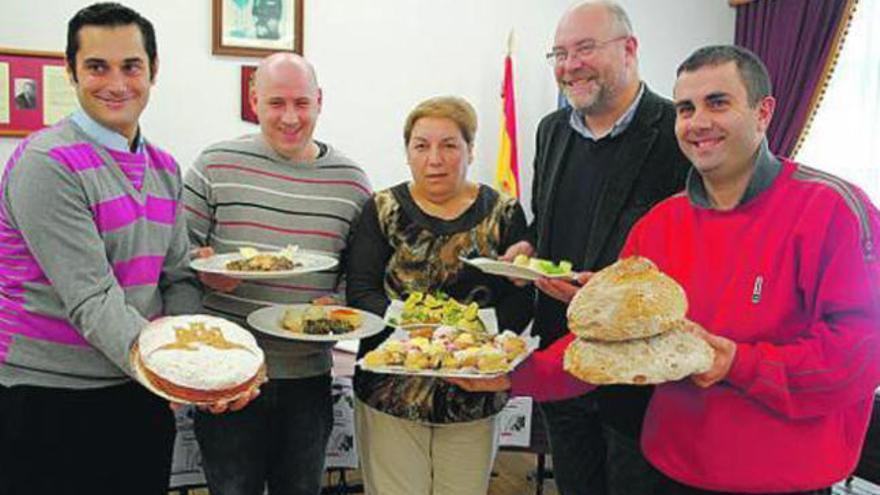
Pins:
x: 398, y: 249
x: 581, y: 183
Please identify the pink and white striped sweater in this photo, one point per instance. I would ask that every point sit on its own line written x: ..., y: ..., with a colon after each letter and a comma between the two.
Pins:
x: 91, y: 246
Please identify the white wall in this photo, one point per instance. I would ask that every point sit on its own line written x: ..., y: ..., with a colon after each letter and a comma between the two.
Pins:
x: 375, y: 60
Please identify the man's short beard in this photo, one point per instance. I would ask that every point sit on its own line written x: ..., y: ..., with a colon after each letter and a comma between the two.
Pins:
x: 599, y: 104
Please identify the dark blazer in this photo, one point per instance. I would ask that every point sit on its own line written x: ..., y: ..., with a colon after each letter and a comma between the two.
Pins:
x: 650, y: 167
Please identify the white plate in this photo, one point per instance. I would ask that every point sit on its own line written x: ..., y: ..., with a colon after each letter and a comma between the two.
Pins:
x: 531, y: 344
x: 268, y: 321
x: 395, y: 309
x: 309, y: 262
x: 507, y: 269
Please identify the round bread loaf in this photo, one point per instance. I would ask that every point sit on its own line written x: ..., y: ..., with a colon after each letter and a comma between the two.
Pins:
x: 630, y: 299
x: 199, y: 358
x: 669, y: 356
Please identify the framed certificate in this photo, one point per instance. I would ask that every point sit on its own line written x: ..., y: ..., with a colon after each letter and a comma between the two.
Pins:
x: 34, y: 91
x: 247, y: 85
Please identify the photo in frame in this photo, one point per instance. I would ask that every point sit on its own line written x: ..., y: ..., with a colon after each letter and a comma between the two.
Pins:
x: 247, y: 84
x: 256, y: 28
x: 34, y: 91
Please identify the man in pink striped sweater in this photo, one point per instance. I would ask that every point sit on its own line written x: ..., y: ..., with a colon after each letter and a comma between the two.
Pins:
x: 92, y: 249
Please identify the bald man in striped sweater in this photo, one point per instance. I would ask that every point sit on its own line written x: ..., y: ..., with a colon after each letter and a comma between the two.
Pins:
x: 269, y: 190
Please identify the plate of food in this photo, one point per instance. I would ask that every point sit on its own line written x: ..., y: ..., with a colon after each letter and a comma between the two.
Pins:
x: 524, y: 267
x: 251, y: 264
x: 197, y: 359
x: 421, y: 312
x: 316, y: 323
x: 449, y: 352
x: 619, y: 342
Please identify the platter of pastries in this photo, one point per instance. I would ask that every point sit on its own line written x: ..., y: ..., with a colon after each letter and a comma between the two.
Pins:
x: 197, y: 359
x: 449, y: 352
x: 315, y: 323
x: 252, y: 264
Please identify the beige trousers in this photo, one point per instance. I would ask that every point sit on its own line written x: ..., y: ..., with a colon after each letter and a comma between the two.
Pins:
x: 402, y: 457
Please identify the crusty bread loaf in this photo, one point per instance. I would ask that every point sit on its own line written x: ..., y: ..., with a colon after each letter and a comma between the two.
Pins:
x: 669, y: 356
x: 630, y: 299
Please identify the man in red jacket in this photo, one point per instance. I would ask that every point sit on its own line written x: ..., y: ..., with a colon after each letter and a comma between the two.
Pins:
x: 781, y: 269
x: 782, y: 272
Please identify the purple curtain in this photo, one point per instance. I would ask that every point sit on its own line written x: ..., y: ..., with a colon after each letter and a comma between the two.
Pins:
x: 794, y: 39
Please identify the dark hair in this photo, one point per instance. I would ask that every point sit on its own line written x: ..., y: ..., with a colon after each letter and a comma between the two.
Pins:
x: 109, y: 14
x: 750, y: 68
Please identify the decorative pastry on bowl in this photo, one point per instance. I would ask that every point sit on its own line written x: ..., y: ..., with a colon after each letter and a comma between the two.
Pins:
x: 198, y: 358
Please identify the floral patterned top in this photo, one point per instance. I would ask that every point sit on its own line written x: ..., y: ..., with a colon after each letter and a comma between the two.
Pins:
x: 398, y: 249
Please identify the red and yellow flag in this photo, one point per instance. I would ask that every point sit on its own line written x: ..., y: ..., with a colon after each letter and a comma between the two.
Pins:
x: 507, y: 171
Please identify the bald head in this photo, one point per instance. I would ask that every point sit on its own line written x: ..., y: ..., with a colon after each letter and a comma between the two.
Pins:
x: 287, y: 101
x: 279, y: 66
x: 607, y: 11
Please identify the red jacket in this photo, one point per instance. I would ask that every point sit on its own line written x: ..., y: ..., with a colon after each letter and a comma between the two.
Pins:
x: 793, y: 277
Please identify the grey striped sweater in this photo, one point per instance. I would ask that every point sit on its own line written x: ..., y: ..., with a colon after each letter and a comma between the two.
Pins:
x: 242, y: 193
x: 88, y: 254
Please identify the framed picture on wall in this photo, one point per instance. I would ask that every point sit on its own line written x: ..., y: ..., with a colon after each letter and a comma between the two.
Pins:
x: 247, y: 83
x: 256, y: 28
x: 34, y: 91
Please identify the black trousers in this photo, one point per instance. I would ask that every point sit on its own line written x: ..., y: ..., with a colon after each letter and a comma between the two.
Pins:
x: 592, y: 458
x: 116, y: 439
x: 278, y: 440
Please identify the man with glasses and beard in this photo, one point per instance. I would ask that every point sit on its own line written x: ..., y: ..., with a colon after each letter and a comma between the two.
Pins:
x: 599, y: 166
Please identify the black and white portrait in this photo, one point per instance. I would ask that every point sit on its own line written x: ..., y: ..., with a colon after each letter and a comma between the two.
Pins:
x: 25, y: 94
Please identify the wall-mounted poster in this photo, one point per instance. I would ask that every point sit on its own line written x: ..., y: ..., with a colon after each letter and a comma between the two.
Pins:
x: 34, y: 91
x: 247, y: 84
x: 255, y: 28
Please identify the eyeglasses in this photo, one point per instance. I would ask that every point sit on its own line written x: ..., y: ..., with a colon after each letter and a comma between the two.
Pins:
x: 581, y: 51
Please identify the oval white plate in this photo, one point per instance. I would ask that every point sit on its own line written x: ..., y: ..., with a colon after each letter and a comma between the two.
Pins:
x: 268, y: 321
x: 507, y: 269
x: 309, y: 262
